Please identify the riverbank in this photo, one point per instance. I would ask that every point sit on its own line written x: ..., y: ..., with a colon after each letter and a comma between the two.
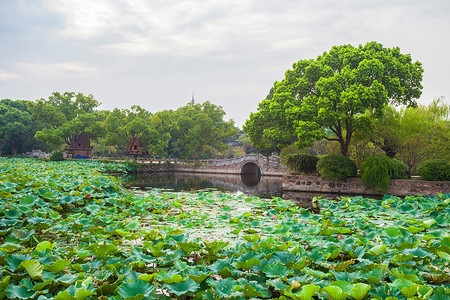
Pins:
x: 354, y: 186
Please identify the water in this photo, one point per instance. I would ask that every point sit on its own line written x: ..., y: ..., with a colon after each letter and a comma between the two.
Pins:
x: 253, y: 185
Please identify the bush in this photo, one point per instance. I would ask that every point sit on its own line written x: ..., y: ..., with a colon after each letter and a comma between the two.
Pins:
x: 304, y: 163
x: 336, y: 167
x: 377, y: 171
x: 57, y: 156
x: 400, y: 170
x: 288, y: 151
x: 435, y: 170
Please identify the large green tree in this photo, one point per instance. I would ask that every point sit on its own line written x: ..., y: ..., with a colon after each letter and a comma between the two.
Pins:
x: 332, y: 92
x: 126, y: 126
x: 65, y: 116
x: 16, y: 125
x: 199, y: 130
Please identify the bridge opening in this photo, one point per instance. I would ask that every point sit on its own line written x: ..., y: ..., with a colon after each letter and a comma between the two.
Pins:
x: 250, y: 174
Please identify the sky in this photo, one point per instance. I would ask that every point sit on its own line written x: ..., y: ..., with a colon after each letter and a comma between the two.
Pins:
x: 158, y: 53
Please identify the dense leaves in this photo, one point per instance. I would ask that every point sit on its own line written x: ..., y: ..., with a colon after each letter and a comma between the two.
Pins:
x: 69, y: 232
x: 326, y: 97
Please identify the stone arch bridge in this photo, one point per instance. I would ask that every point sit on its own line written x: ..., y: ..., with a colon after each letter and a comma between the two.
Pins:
x: 243, y: 165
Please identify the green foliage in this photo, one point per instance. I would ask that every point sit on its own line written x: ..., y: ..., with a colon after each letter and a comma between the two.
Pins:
x: 400, y: 169
x: 288, y: 151
x: 336, y: 167
x: 16, y: 127
x: 57, y: 156
x: 332, y: 92
x: 304, y: 163
x: 133, y: 166
x: 435, y: 170
x: 69, y: 232
x: 377, y: 171
x: 414, y: 134
x: 64, y: 116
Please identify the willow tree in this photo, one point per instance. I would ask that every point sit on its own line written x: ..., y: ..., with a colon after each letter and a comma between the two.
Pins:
x: 331, y: 93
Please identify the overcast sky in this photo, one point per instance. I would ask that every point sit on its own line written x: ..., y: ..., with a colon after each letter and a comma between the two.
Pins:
x: 156, y: 53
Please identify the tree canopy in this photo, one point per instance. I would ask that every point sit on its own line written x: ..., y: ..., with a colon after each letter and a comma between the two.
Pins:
x: 65, y: 116
x: 331, y: 94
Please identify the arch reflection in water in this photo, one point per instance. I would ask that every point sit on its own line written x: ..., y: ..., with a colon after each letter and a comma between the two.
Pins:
x: 250, y: 180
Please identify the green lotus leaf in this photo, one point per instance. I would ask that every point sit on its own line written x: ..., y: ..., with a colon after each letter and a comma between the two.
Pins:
x: 277, y: 284
x: 418, y: 252
x: 347, y: 276
x: 57, y: 266
x: 22, y: 235
x: 41, y: 285
x: 45, y: 245
x: 66, y: 279
x: 444, y: 255
x: 359, y: 291
x: 20, y: 292
x: 137, y: 289
x: 248, y: 263
x: 345, y: 286
x: 409, y: 292
x: 251, y: 289
x: 223, y: 287
x: 425, y: 291
x: 401, y: 283
x: 182, y: 288
x: 414, y: 229
x: 306, y: 293
x: 13, y: 213
x: 33, y: 267
x: 392, y: 232
x: 171, y: 277
x: 428, y: 223
x: 28, y: 200
x: 315, y: 273
x: 377, y: 250
x: 251, y: 238
x: 335, y: 292
x: 276, y: 270
x: 440, y: 294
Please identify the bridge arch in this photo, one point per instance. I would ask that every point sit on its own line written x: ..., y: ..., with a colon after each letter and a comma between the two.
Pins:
x: 250, y: 174
x: 250, y: 168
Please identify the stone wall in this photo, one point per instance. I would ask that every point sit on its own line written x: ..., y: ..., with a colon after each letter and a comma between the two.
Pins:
x: 353, y: 186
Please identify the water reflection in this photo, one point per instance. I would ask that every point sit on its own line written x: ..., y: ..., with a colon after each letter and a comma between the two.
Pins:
x: 249, y: 184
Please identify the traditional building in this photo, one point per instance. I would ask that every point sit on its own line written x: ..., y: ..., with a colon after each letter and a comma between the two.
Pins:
x: 136, y: 147
x: 80, y: 146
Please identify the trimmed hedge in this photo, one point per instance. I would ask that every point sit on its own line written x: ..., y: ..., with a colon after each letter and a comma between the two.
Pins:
x: 435, y: 170
x: 57, y: 156
x: 304, y: 163
x: 336, y: 167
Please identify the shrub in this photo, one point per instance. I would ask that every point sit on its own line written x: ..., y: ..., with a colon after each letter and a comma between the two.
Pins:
x: 288, y: 151
x: 305, y: 163
x: 377, y: 171
x: 435, y: 170
x: 336, y: 167
x: 57, y: 156
x: 400, y: 170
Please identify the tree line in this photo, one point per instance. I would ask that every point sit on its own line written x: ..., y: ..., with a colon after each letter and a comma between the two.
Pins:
x: 192, y: 131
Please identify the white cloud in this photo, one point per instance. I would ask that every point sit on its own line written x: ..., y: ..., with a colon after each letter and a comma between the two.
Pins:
x: 56, y: 70
x: 4, y: 75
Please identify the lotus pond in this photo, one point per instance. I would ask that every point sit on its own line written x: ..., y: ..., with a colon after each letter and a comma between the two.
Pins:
x: 70, y: 231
